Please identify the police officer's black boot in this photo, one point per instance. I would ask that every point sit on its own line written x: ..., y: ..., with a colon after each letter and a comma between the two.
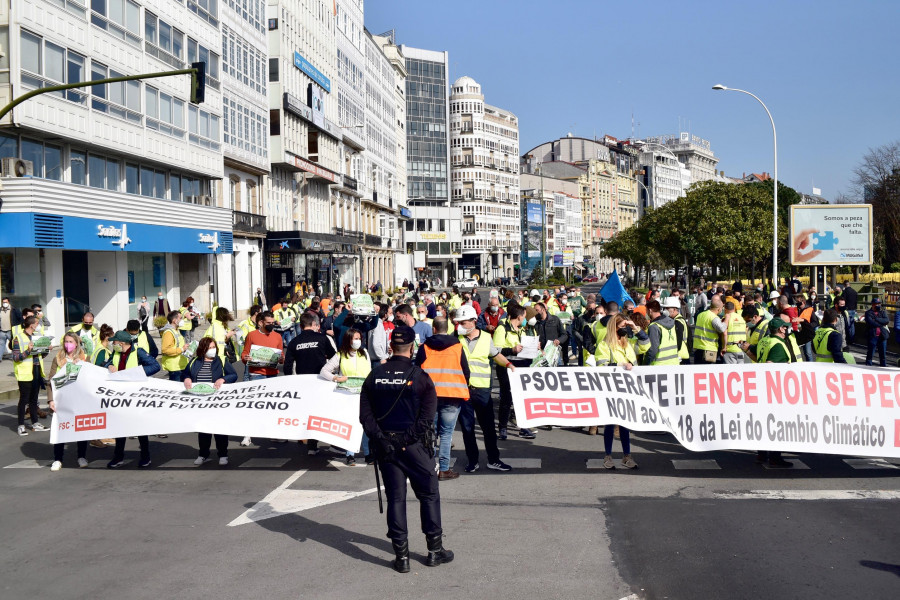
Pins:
x: 401, y: 563
x: 436, y: 552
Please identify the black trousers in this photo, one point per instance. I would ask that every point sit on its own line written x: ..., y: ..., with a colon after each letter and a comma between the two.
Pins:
x: 481, y: 407
x: 205, y: 441
x: 505, y: 398
x: 58, y: 450
x: 28, y: 395
x: 143, y: 441
x: 415, y: 464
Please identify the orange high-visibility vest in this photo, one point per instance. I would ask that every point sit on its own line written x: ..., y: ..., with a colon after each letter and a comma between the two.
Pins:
x: 445, y: 369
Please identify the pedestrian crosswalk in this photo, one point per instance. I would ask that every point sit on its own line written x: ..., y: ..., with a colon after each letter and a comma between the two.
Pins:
x: 518, y: 463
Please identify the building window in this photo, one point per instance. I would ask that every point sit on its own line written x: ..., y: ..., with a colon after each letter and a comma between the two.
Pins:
x: 163, y: 41
x: 78, y: 167
x: 207, y: 10
x: 198, y: 53
x: 122, y: 99
x: 273, y: 69
x: 132, y: 179
x: 121, y: 18
x: 164, y: 113
x: 46, y: 64
x: 203, y: 127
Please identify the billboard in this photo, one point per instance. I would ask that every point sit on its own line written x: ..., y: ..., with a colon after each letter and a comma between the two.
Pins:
x: 568, y: 257
x: 532, y: 254
x: 831, y: 234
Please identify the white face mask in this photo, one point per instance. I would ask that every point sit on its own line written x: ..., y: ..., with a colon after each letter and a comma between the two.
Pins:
x: 390, y: 318
x: 356, y: 344
x: 495, y: 308
x: 532, y: 321
x: 461, y: 330
x: 440, y: 314
x: 563, y: 301
x: 6, y: 305
x: 211, y: 353
x: 422, y: 316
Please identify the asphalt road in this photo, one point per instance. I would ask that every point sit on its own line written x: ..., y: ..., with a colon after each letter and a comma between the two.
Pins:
x: 278, y: 524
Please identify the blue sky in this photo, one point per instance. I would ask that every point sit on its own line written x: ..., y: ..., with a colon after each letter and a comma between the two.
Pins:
x: 826, y: 69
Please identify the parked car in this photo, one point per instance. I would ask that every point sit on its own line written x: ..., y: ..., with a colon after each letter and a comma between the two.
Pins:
x: 467, y: 284
x: 590, y: 279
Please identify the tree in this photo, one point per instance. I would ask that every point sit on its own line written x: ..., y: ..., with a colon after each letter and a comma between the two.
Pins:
x: 877, y: 181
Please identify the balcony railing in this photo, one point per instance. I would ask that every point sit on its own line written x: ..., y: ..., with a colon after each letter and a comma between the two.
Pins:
x: 248, y: 223
x: 343, y: 231
x: 372, y: 240
x: 350, y: 183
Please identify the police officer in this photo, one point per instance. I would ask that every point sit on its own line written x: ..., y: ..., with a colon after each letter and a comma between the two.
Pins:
x: 397, y: 406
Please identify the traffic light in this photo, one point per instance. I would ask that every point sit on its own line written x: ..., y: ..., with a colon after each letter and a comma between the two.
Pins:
x: 198, y: 82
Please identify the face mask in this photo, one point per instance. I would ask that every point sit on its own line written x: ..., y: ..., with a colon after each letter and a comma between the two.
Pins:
x: 87, y: 325
x: 269, y: 327
x: 143, y: 299
x: 495, y: 309
x: 160, y: 297
x: 461, y: 330
x: 390, y: 318
x: 440, y: 314
x: 356, y: 344
x: 563, y: 301
x: 421, y: 316
x: 70, y: 347
x: 6, y: 305
x: 532, y: 321
x: 622, y: 332
x: 211, y: 353
x: 118, y: 348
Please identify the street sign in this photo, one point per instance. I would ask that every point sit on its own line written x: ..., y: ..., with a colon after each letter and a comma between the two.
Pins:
x: 831, y: 234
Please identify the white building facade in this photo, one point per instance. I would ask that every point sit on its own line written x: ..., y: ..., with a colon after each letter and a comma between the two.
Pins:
x: 484, y: 156
x: 124, y: 195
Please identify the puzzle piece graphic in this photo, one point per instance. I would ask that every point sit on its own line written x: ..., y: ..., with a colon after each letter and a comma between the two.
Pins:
x: 824, y: 241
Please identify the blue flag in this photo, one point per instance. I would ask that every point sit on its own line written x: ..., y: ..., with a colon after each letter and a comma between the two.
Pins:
x: 614, y: 291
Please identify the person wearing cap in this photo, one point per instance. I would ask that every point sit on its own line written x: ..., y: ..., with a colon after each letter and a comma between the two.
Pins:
x: 126, y: 355
x: 774, y: 295
x: 828, y: 343
x: 397, y: 407
x: 534, y: 296
x: 479, y: 349
x: 508, y: 338
x: 672, y: 305
x: 442, y: 357
x: 877, y: 332
x: 775, y: 349
x: 490, y: 318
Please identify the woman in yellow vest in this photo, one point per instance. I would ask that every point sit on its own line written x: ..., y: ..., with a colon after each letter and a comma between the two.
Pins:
x: 186, y: 327
x: 103, y: 351
x: 70, y: 351
x: 617, y: 350
x: 29, y: 371
x: 351, y: 360
x: 172, y: 357
x: 219, y: 331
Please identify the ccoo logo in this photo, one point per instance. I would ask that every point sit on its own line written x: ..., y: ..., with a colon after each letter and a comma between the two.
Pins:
x: 330, y: 426
x: 574, y: 408
x: 90, y: 422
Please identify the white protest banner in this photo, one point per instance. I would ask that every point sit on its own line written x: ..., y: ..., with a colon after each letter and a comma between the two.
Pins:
x: 809, y: 407
x: 296, y: 407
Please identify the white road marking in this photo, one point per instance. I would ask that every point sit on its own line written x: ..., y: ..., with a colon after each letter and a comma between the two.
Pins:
x: 264, y: 463
x: 696, y: 465
x: 282, y: 501
x: 869, y: 463
x: 28, y: 463
x: 594, y: 463
x: 810, y: 495
x: 184, y: 463
x: 342, y: 464
x: 523, y: 463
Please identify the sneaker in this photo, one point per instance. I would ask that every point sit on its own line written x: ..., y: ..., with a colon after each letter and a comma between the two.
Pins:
x: 82, y: 463
x: 501, y: 435
x: 472, y: 467
x: 527, y: 434
x: 162, y: 436
x: 200, y: 460
x: 499, y: 466
x: 21, y: 430
x: 39, y: 427
x: 448, y: 474
x: 370, y: 459
x: 144, y: 463
x: 97, y: 444
x: 109, y: 441
x: 351, y: 461
x: 223, y: 461
x: 608, y: 462
x: 628, y: 462
x: 115, y: 464
x: 56, y: 466
x: 246, y: 441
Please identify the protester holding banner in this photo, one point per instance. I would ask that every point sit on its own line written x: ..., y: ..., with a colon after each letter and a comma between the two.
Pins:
x: 709, y: 334
x: 71, y: 352
x: 209, y: 368
x: 29, y: 372
x: 508, y: 338
x: 397, y: 408
x: 350, y: 362
x: 127, y: 356
x: 261, y: 338
x: 616, y: 350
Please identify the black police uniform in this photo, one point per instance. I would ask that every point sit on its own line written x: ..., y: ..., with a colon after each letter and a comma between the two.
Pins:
x: 397, y: 407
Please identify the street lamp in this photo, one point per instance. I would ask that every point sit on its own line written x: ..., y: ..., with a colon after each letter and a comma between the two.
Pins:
x: 775, y: 177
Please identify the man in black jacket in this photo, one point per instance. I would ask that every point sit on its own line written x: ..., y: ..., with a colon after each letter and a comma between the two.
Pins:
x: 550, y: 329
x: 877, y: 332
x: 307, y: 354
